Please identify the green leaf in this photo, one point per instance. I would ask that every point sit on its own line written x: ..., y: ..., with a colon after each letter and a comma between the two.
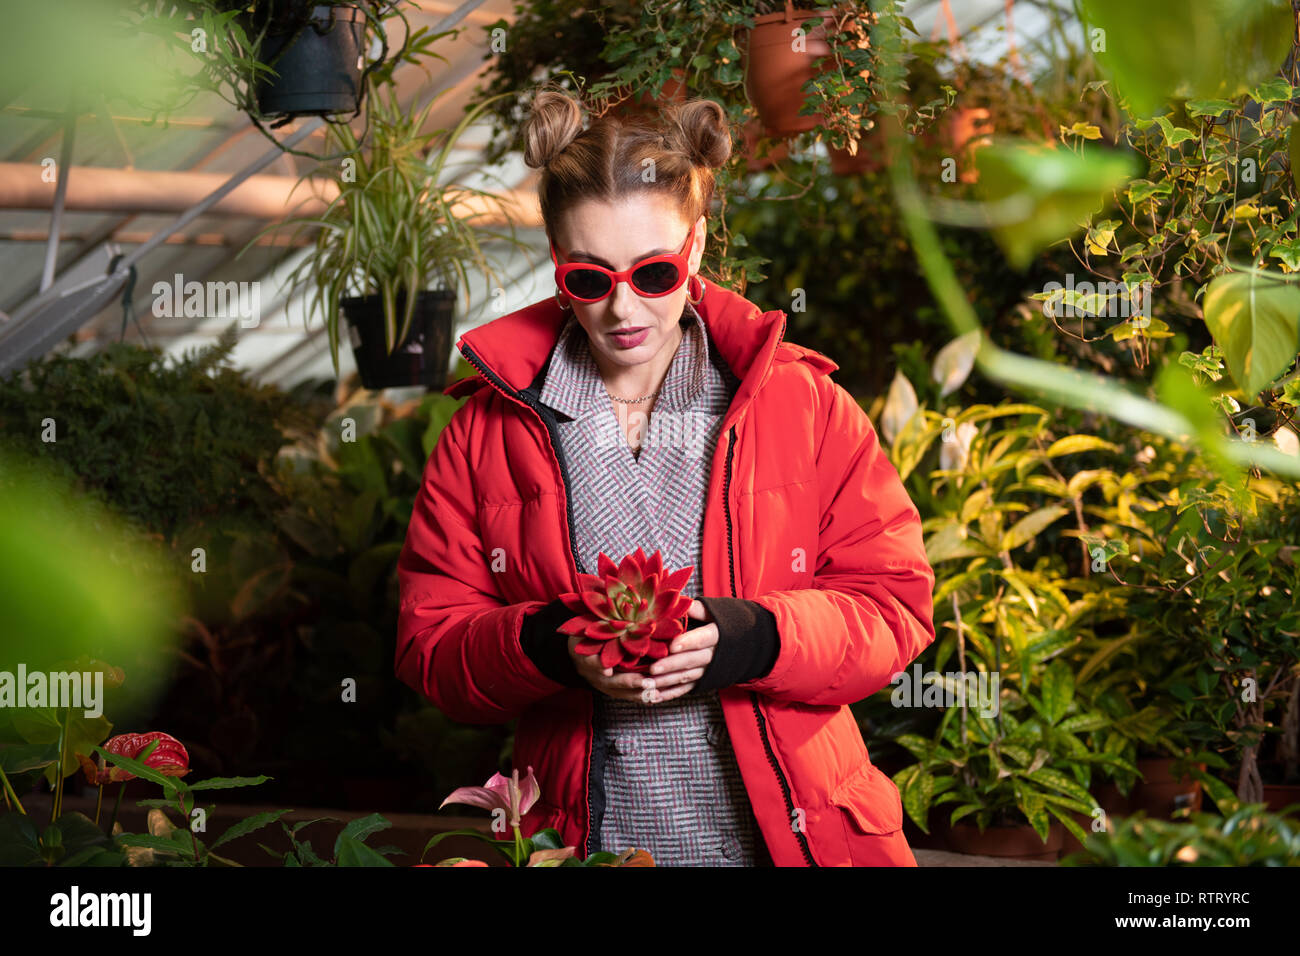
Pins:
x: 1141, y: 190
x: 1069, y: 822
x: 248, y: 825
x: 1037, y: 195
x: 1028, y: 527
x: 1161, y: 50
x: 1057, y: 691
x: 155, y: 843
x: 1072, y: 444
x: 19, y: 842
x: 1256, y: 321
x: 917, y: 789
x: 24, y: 757
x: 1273, y: 90
x: 950, y: 542
x: 1173, y: 134
x: 170, y: 784
x: 361, y: 828
x: 548, y: 839
x: 1059, y: 781
x: 1208, y: 107
x: 352, y: 852
x: 476, y: 834
x: 1031, y: 805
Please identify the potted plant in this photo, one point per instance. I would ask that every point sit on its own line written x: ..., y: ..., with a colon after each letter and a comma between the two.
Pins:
x: 781, y: 54
x: 316, y: 52
x: 1012, y: 771
x: 273, y: 59
x: 392, y: 231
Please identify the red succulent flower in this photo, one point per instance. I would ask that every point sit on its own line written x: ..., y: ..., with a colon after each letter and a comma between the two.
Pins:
x: 628, y: 613
x: 169, y: 758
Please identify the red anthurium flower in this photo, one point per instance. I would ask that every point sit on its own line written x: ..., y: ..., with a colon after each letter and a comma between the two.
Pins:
x: 628, y: 613
x: 169, y: 758
x: 505, y: 793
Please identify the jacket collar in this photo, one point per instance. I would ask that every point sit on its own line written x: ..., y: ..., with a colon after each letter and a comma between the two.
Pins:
x: 573, y: 384
x: 514, y: 348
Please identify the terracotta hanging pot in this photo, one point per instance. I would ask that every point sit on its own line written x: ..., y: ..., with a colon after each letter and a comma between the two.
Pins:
x: 775, y: 70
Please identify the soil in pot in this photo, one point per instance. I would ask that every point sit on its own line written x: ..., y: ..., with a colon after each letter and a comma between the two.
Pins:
x: 421, y: 359
x: 320, y: 73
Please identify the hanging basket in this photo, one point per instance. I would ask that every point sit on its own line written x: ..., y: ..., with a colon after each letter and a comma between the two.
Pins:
x: 775, y: 72
x: 319, y: 73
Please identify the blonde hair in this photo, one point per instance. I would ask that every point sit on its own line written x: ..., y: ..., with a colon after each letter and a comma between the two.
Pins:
x: 605, y: 162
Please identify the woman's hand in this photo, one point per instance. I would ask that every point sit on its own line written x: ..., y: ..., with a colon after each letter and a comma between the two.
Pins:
x: 671, y: 676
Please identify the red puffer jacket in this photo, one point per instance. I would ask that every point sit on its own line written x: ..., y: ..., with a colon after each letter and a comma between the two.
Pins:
x: 805, y: 515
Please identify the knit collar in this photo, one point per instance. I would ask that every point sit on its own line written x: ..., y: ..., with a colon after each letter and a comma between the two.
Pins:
x: 574, y: 387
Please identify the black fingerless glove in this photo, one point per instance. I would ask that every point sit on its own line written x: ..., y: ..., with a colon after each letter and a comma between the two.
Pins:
x: 748, y: 642
x: 547, y: 647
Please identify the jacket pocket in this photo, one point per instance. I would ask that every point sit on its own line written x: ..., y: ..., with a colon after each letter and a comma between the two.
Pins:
x: 870, y: 799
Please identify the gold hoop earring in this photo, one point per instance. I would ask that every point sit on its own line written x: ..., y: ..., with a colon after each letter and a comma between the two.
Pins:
x: 564, y: 306
x: 700, y: 297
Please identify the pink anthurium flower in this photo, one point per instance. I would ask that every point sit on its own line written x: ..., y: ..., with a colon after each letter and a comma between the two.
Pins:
x: 505, y: 793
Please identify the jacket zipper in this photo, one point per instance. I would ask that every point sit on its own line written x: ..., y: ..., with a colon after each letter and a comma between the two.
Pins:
x: 753, y: 696
x: 518, y: 396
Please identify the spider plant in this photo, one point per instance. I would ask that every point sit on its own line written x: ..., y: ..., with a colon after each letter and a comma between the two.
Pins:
x: 395, y: 228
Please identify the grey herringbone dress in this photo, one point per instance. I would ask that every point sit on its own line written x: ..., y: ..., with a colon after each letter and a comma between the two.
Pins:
x: 668, y: 778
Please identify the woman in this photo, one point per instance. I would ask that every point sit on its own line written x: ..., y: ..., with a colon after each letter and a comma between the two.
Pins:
x: 644, y: 406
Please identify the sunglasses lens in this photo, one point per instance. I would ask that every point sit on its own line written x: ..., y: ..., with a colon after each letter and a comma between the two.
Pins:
x: 656, y: 278
x: 587, y: 284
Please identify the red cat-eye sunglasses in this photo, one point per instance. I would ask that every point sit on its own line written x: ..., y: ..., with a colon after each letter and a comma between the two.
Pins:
x: 651, y: 278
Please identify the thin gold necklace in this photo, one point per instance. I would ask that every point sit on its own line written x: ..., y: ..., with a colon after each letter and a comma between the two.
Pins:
x: 632, y: 401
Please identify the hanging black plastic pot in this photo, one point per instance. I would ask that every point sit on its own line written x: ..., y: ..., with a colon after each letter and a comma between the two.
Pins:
x: 319, y: 73
x: 421, y: 359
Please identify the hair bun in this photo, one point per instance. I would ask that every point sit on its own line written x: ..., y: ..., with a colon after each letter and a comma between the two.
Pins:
x: 554, y: 122
x: 702, y: 131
